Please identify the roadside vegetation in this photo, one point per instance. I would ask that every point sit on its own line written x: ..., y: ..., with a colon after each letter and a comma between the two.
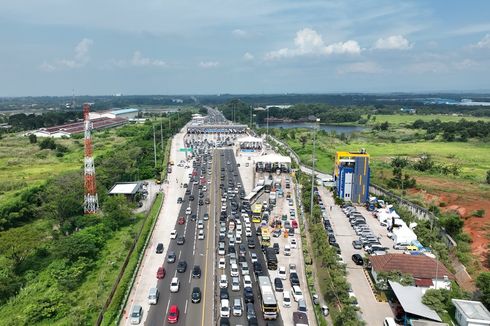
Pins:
x: 58, y: 265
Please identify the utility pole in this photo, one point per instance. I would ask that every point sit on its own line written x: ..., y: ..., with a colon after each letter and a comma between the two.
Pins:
x: 154, y: 146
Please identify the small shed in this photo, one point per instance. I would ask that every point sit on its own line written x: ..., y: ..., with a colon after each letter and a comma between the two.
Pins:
x: 471, y: 313
x: 128, y: 189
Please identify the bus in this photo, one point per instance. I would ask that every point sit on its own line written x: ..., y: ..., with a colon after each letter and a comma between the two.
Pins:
x: 268, y: 300
x: 265, y: 237
x: 271, y: 258
x: 256, y: 213
x: 253, y: 195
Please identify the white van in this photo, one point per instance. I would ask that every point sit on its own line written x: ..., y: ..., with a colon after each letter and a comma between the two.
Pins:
x: 286, y: 301
x: 153, y: 296
x: 287, y: 250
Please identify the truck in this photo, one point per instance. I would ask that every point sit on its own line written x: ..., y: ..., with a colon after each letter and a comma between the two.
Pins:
x: 300, y: 318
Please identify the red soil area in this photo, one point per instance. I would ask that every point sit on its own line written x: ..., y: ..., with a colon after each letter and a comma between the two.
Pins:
x: 464, y: 199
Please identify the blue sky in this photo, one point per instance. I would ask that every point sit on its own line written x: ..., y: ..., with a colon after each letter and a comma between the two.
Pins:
x: 50, y: 47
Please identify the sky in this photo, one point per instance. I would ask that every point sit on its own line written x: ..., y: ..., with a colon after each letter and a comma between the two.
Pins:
x: 94, y: 47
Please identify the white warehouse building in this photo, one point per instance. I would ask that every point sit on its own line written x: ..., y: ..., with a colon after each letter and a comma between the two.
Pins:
x: 129, y: 113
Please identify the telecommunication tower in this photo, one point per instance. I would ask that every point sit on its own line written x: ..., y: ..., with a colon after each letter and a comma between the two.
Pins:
x: 91, y: 201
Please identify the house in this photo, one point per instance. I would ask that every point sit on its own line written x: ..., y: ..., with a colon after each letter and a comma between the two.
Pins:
x: 426, y: 271
x: 471, y: 313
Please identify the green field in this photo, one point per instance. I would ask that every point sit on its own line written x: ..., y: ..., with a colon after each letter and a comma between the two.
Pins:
x: 410, y: 118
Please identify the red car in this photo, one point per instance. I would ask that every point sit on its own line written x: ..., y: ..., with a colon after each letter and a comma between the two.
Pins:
x: 160, y: 272
x: 181, y: 220
x: 294, y: 224
x: 173, y: 314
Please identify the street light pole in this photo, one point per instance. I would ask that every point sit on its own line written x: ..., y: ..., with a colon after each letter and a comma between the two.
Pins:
x: 267, y: 123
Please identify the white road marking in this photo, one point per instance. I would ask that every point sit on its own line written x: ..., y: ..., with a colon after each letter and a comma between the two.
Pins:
x: 185, y: 310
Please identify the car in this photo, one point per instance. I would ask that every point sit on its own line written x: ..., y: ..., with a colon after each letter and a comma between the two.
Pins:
x: 278, y: 285
x: 225, y: 308
x: 357, y: 244
x: 257, y: 268
x: 191, y: 198
x: 294, y: 224
x: 293, y: 243
x: 171, y: 256
x: 282, y: 272
x: 223, y: 293
x: 180, y: 240
x: 153, y: 295
x: 205, y: 216
x: 276, y: 248
x: 173, y: 234
x: 179, y: 200
x: 224, y: 321
x: 196, y: 295
x: 200, y: 235
x: 196, y: 271
x: 136, y: 314
x: 251, y: 311
x: 159, y: 248
x: 237, y: 307
x: 276, y: 233
x: 160, y: 272
x: 302, y: 305
x: 222, y: 263
x: 357, y: 259
x: 253, y: 257
x: 193, y: 217
x: 181, y: 266
x: 248, y: 295
x: 325, y: 311
x: 223, y: 281
x: 286, y: 299
x: 221, y: 248
x: 174, y: 285
x: 251, y: 243
x: 294, y: 279
x: 173, y: 314
x: 188, y: 211
x: 235, y: 284
x: 200, y: 224
x: 297, y: 293
x: 181, y: 220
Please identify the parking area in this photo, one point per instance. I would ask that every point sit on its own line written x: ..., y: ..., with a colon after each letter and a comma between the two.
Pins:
x: 373, y: 312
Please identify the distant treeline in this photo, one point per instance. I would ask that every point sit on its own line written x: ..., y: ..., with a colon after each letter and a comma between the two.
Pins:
x: 22, y: 121
x: 451, y: 131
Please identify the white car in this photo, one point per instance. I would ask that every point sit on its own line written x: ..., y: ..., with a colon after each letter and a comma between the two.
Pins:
x: 247, y: 281
x: 293, y: 243
x: 222, y: 263
x: 297, y: 293
x: 292, y: 268
x: 204, y: 188
x: 235, y: 284
x: 174, y: 285
x: 282, y: 272
x: 223, y: 281
x: 225, y: 308
x: 286, y: 300
x: 248, y: 232
x: 200, y: 235
x: 173, y: 234
x: 234, y: 270
x: 188, y: 211
x: 238, y: 238
x: 253, y: 256
x: 200, y: 224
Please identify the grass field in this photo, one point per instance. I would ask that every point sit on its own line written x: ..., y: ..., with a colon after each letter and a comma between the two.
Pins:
x: 409, y: 118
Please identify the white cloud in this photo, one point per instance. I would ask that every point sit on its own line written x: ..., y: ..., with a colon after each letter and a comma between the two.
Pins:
x: 208, y: 64
x: 483, y: 43
x: 394, y: 42
x: 248, y: 56
x: 309, y: 42
x: 80, y: 58
x: 367, y: 67
x: 239, y: 33
x: 139, y: 60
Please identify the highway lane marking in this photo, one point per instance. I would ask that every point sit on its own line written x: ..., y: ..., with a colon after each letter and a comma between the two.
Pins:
x: 186, y: 302
x: 180, y: 253
x: 168, y: 305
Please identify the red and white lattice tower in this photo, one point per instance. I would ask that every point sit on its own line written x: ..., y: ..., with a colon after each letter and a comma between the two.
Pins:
x: 91, y: 201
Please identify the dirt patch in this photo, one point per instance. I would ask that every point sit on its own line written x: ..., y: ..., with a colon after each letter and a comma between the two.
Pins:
x: 464, y: 199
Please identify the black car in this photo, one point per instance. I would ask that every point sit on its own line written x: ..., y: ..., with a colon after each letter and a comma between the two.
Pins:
x: 180, y: 240
x: 253, y: 322
x: 276, y: 248
x: 201, y: 202
x: 242, y: 259
x: 193, y: 217
x: 223, y: 294
x: 171, y: 256
x: 248, y: 295
x: 159, y: 249
x: 294, y: 279
x: 231, y: 250
x: 185, y: 185
x: 196, y: 295
x: 331, y: 239
x: 258, y: 269
x: 188, y: 191
x: 357, y: 259
x: 223, y: 321
x: 191, y: 197
x: 181, y: 266
x: 179, y: 200
x: 251, y: 243
x: 196, y: 271
x: 278, y: 284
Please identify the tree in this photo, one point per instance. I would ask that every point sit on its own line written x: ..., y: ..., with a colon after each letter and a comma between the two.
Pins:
x: 303, y: 139
x: 32, y: 138
x: 47, y: 143
x: 488, y: 177
x: 452, y: 223
x: 396, y: 276
x: 425, y: 163
x: 483, y: 284
x: 436, y: 299
x: 116, y: 211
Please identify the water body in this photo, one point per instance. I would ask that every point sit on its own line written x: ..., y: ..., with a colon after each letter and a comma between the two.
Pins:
x: 328, y: 128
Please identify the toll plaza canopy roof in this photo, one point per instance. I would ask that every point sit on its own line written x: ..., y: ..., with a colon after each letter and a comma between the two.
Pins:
x: 250, y: 139
x: 125, y: 188
x: 217, y: 128
x: 410, y: 298
x: 273, y: 158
